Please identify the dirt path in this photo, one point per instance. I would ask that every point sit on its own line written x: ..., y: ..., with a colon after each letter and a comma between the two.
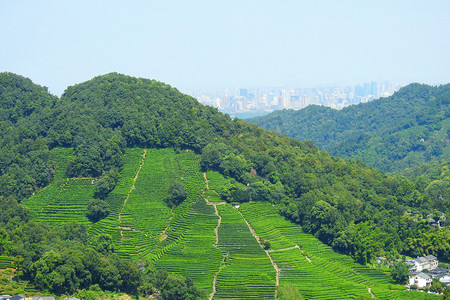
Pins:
x: 293, y: 247
x: 371, y: 294
x: 214, y: 204
x: 163, y: 235
x: 215, y: 276
x: 284, y: 249
x: 206, y: 180
x: 129, y: 192
x: 216, y: 232
x: 307, y: 258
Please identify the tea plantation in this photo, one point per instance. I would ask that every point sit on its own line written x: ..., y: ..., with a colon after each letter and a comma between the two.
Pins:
x: 204, y: 238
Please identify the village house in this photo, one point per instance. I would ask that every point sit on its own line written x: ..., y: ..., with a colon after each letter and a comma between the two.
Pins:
x: 421, y: 280
x: 429, y: 262
x: 15, y: 297
x: 442, y: 274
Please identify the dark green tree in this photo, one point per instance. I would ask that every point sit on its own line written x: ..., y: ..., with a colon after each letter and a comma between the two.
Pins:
x: 400, y: 273
x: 105, y: 184
x: 436, y: 286
x: 97, y: 210
x: 176, y: 194
x: 103, y: 243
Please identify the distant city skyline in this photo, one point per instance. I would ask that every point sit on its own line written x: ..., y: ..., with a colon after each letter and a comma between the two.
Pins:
x: 217, y: 44
x: 258, y: 101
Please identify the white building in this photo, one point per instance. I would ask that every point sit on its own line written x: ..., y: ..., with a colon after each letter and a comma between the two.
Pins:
x: 421, y: 280
x: 429, y: 262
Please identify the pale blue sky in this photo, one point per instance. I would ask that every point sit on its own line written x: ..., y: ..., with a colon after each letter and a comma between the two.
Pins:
x: 212, y: 44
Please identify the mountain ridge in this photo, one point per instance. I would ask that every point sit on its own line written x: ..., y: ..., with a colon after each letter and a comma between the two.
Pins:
x: 390, y: 133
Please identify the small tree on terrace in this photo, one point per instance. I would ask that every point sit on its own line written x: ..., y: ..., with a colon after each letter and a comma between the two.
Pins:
x: 400, y: 272
x: 177, y: 193
x: 97, y: 210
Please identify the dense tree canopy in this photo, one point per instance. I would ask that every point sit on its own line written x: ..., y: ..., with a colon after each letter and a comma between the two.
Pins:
x: 97, y: 209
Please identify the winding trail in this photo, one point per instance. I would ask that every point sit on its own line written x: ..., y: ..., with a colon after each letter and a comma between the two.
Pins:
x: 284, y: 249
x: 225, y: 256
x: 163, y: 234
x: 216, y: 231
x: 275, y: 266
x: 214, y: 204
x: 371, y: 294
x: 129, y: 193
x: 206, y: 180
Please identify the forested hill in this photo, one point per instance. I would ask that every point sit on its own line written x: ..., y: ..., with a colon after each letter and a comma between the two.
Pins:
x: 354, y: 208
x: 404, y: 130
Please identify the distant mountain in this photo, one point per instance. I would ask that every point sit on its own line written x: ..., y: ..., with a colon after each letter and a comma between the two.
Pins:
x: 404, y: 130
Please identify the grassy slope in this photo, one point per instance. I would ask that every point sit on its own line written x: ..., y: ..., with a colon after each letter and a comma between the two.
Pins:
x: 183, y: 240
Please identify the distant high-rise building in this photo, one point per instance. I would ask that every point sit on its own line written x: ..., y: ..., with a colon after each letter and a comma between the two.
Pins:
x: 243, y: 93
x: 374, y: 88
x: 359, y: 91
x: 367, y: 89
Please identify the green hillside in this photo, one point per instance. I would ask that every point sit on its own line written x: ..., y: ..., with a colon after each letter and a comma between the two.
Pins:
x: 405, y: 130
x: 185, y: 241
x: 128, y: 184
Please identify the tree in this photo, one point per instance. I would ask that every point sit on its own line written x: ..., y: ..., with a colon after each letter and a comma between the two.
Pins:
x: 5, y: 243
x: 103, y: 243
x: 105, y: 184
x: 400, y: 272
x: 266, y: 244
x: 97, y: 210
x: 177, y: 193
x: 76, y: 232
x: 436, y: 286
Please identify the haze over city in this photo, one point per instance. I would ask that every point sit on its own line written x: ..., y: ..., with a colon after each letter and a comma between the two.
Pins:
x: 227, y: 44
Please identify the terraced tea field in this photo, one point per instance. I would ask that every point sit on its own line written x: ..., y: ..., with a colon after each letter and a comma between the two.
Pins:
x: 248, y: 272
x: 313, y: 267
x: 6, y: 262
x: 65, y: 199
x: 204, y: 238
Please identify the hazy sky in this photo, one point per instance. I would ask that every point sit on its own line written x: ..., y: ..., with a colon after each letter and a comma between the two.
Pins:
x: 212, y: 44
